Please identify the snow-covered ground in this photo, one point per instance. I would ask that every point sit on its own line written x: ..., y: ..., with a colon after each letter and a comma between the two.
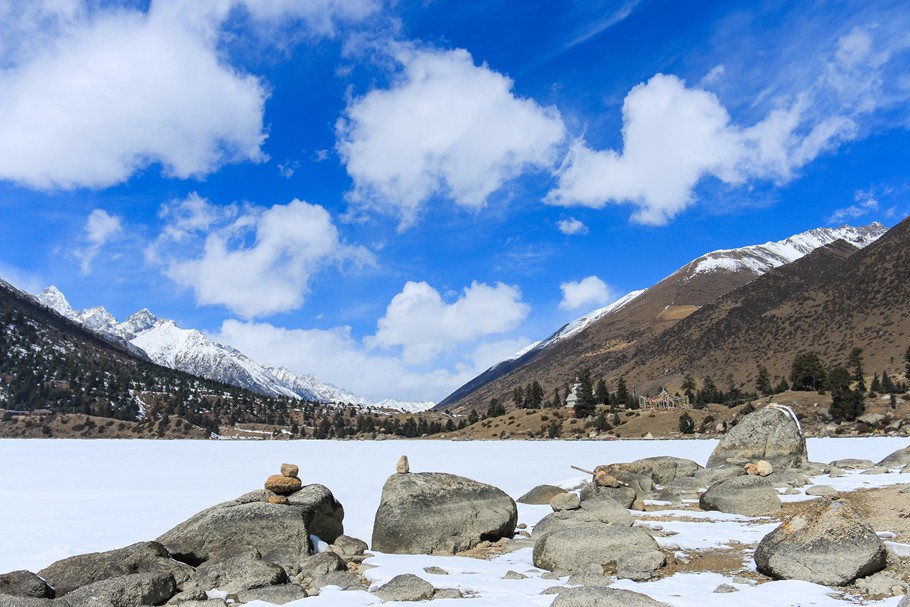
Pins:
x: 64, y: 497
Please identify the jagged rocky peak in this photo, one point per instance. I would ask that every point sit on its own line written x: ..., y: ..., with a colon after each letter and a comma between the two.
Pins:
x: 55, y: 300
x: 140, y: 321
x: 98, y: 319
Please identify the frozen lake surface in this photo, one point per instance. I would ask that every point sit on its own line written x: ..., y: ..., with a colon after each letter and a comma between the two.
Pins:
x: 64, y: 497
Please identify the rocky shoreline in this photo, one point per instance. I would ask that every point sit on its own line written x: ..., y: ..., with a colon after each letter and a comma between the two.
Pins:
x: 286, y: 542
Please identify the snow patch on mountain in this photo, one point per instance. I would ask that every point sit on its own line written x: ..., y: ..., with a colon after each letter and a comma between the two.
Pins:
x: 400, y: 405
x: 191, y: 351
x: 571, y: 328
x: 762, y: 258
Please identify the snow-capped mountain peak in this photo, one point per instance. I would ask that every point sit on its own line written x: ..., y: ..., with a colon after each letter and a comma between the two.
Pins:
x: 136, y: 323
x: 56, y: 301
x: 762, y: 258
x: 166, y: 344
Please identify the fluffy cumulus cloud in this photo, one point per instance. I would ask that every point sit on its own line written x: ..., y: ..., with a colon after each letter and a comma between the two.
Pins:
x: 335, y: 356
x: 446, y: 126
x: 675, y: 135
x: 100, y: 228
x: 90, y: 94
x: 420, y: 322
x: 587, y: 292
x: 119, y: 91
x: 252, y: 260
x: 572, y: 226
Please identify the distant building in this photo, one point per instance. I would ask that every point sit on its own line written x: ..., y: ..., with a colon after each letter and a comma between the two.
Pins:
x: 572, y: 398
x: 664, y: 401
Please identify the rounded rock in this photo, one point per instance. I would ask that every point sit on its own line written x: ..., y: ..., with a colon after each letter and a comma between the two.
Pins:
x: 290, y: 470
x: 282, y: 485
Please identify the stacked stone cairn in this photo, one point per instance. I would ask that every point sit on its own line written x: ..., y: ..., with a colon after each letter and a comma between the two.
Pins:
x: 280, y: 486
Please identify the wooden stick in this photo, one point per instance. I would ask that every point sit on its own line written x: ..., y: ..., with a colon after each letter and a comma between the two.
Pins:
x: 582, y: 470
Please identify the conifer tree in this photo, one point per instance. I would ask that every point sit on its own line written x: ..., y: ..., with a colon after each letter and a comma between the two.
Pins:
x: 686, y: 423
x: 763, y: 382
x: 846, y: 404
x: 585, y: 405
x: 876, y: 385
x: 689, y: 387
x: 601, y: 394
x: 856, y: 366
x: 622, y: 393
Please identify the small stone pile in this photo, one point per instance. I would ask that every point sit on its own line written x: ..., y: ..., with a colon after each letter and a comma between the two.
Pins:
x: 284, y: 484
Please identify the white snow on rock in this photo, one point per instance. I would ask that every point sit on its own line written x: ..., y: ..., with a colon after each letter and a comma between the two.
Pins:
x: 190, y: 351
x: 762, y: 258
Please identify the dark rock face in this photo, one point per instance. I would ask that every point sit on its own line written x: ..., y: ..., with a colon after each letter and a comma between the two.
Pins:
x: 25, y: 584
x: 327, y: 513
x: 125, y: 591
x: 257, y: 525
x: 826, y: 544
x: 437, y: 513
x: 746, y: 495
x: 541, y: 495
x: 772, y: 434
x: 145, y: 557
x: 572, y: 549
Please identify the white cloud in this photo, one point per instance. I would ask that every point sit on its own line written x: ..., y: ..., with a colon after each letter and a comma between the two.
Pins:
x: 90, y: 94
x: 715, y: 74
x: 865, y: 202
x: 445, y: 127
x: 119, y: 91
x: 423, y: 325
x: 100, y: 228
x: 674, y: 135
x: 590, y: 291
x: 572, y: 226
x: 253, y: 260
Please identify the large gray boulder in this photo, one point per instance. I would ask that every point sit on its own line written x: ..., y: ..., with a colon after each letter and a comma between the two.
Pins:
x: 438, y: 513
x: 828, y: 544
x: 603, y: 511
x: 254, y: 524
x: 541, y: 495
x: 124, y: 591
x: 572, y: 549
x: 405, y: 587
x: 745, y: 495
x: 624, y: 496
x: 325, y: 514
x: 772, y: 434
x: 24, y: 584
x: 75, y: 572
x: 899, y: 458
x: 662, y: 468
x: 242, y: 571
x: 598, y: 596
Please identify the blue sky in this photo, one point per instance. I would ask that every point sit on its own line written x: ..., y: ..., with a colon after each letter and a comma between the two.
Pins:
x: 394, y: 196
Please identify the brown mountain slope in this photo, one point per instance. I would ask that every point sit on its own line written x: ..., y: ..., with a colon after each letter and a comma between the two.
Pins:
x: 714, y: 323
x: 606, y: 344
x: 828, y: 302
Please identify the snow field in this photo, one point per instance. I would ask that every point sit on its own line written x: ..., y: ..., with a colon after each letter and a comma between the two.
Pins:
x: 64, y: 497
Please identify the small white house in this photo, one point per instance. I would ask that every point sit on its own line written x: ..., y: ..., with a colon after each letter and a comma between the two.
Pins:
x: 572, y: 398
